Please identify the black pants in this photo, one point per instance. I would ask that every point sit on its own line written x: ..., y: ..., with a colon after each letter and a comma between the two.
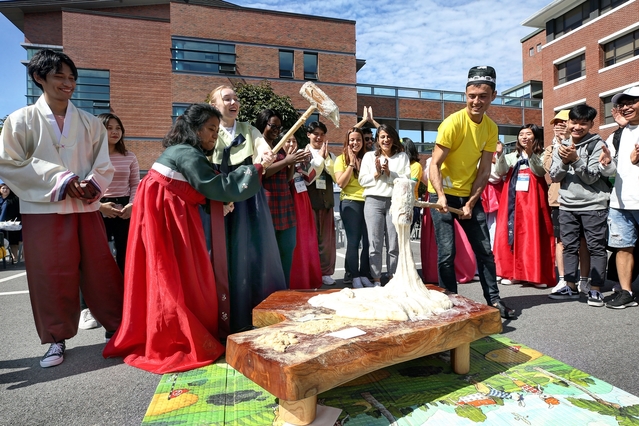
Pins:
x: 593, y: 225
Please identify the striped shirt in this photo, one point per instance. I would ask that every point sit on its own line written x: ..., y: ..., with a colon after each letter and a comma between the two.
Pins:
x: 126, y: 178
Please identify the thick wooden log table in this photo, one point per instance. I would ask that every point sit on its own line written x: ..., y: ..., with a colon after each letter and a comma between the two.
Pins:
x: 319, y: 362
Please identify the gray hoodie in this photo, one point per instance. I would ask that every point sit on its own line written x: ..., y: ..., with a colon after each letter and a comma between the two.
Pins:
x: 581, y: 186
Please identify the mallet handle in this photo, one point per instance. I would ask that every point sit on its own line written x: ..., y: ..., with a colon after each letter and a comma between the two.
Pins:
x: 293, y: 129
x: 437, y: 206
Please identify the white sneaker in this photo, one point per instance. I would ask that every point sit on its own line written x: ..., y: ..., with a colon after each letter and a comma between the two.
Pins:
x: 584, y: 286
x: 87, y: 322
x: 506, y: 281
x: 540, y: 285
x: 54, y: 356
x: 561, y: 284
x: 366, y: 282
x: 357, y: 283
x: 328, y: 280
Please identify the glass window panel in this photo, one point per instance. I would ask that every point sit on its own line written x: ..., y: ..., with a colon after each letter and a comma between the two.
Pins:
x: 573, y: 18
x: 625, y: 50
x: 364, y: 90
x: 226, y: 48
x: 454, y: 97
x: 94, y: 73
x: 310, y: 66
x: 227, y: 59
x: 93, y: 89
x: 607, y: 109
x: 383, y: 91
x: 310, y: 62
x: 430, y: 94
x: 408, y: 93
x: 93, y: 81
x: 202, y: 56
x: 311, y: 118
x: 286, y: 64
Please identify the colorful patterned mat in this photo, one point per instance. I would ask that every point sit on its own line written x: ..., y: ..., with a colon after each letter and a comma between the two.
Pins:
x: 508, y: 384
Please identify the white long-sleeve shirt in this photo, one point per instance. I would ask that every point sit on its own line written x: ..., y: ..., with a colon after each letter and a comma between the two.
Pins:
x: 38, y: 160
x: 399, y: 166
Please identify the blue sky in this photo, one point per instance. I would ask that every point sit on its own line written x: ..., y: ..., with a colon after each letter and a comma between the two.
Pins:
x: 427, y: 44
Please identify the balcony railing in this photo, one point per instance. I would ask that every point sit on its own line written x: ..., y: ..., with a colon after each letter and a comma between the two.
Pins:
x: 440, y: 95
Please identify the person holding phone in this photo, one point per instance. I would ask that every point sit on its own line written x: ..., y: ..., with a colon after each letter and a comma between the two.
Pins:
x: 582, y: 164
x: 378, y: 171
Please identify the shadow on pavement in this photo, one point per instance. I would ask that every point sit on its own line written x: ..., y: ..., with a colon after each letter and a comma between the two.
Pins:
x: 77, y: 360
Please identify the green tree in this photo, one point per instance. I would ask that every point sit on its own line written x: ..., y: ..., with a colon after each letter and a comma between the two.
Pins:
x: 254, y: 98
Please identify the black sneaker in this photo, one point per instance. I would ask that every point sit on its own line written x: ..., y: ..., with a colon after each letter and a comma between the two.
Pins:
x: 504, y: 311
x: 565, y: 293
x: 54, y: 356
x: 348, y: 278
x: 622, y: 300
x: 108, y: 335
x: 595, y: 299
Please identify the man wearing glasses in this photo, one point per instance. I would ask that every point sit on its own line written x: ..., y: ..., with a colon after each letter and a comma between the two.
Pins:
x: 368, y: 138
x: 623, y: 217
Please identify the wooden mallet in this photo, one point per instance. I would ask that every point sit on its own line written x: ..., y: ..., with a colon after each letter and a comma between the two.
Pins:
x: 319, y: 101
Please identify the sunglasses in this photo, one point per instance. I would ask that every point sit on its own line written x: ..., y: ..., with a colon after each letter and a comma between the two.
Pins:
x: 626, y: 102
x: 274, y: 126
x: 368, y: 138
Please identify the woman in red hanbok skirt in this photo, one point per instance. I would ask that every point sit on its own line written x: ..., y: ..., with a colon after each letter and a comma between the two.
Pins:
x: 170, y: 315
x: 524, y: 242
x: 306, y: 271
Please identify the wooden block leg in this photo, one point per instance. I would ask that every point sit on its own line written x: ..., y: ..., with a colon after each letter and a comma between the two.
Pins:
x: 460, y: 358
x: 300, y: 412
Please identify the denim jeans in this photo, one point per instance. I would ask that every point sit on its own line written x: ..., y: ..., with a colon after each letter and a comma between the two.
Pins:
x: 477, y: 232
x: 352, y: 214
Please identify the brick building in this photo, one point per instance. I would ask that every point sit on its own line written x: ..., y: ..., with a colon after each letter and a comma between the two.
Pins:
x: 146, y: 60
x: 584, y: 51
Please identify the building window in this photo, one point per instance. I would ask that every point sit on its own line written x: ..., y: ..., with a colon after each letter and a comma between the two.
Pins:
x: 572, y: 19
x: 313, y: 117
x: 571, y: 69
x: 202, y: 57
x: 606, y: 5
x: 286, y: 64
x: 607, y: 109
x: 539, y: 47
x: 92, y: 91
x: 178, y: 110
x: 622, y: 48
x: 531, y: 51
x: 578, y: 16
x: 310, y: 66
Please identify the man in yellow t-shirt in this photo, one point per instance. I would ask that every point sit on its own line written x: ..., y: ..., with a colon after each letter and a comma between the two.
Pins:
x: 458, y: 173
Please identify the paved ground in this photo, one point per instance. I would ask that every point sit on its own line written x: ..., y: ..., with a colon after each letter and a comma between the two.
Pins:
x: 88, y: 390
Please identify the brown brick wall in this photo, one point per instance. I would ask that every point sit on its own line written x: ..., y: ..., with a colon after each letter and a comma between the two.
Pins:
x: 532, y: 65
x: 595, y: 82
x: 420, y: 110
x: 145, y: 151
x: 262, y: 27
x: 43, y: 28
x: 383, y: 107
x: 137, y: 53
x: 162, y: 11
